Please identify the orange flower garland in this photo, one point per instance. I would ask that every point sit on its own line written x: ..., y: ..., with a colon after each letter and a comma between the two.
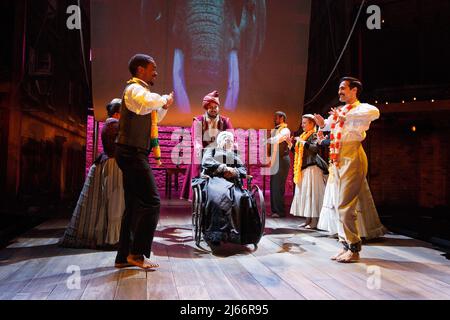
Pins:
x: 154, y: 141
x: 299, y: 155
x: 336, y: 132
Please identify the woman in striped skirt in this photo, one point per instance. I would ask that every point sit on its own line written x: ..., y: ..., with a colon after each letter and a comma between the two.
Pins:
x: 97, y: 216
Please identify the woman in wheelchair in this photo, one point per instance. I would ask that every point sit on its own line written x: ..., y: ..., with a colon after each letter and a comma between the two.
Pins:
x: 229, y: 208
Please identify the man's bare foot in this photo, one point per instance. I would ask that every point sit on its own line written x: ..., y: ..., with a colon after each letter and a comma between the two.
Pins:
x: 302, y: 225
x: 348, y: 257
x: 340, y: 253
x: 141, y: 262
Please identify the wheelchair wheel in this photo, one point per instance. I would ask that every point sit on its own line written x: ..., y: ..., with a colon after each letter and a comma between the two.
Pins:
x: 257, y: 193
x: 197, y: 215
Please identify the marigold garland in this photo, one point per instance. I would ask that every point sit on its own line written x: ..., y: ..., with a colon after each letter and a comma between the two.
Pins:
x: 154, y: 141
x: 299, y: 146
x: 336, y: 132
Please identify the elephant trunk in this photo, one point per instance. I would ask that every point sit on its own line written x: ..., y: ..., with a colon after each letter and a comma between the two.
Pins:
x: 205, y: 32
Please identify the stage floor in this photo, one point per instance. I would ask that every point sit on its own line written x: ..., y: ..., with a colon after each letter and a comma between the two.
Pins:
x: 289, y: 264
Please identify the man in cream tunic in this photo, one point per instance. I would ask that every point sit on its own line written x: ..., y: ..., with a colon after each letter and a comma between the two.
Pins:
x: 348, y: 169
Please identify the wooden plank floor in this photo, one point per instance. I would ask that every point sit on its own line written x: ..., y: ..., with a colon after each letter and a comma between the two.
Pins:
x: 290, y: 264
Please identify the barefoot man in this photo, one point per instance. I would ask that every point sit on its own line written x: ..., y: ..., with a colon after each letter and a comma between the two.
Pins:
x: 348, y: 125
x: 142, y: 202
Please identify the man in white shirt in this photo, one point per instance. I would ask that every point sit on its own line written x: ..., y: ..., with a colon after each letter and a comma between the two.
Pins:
x: 280, y: 144
x: 142, y: 202
x: 348, y: 125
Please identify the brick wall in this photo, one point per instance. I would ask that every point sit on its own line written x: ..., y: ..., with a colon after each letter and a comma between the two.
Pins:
x: 171, y: 156
x: 406, y: 167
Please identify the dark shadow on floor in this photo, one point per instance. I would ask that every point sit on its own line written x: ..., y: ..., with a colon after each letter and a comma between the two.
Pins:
x: 44, y: 233
x: 230, y: 249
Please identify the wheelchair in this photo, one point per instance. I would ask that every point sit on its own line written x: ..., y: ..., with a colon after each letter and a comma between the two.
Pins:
x: 251, y: 222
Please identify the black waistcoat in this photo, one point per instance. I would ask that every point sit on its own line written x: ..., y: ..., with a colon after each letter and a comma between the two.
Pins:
x: 134, y: 129
x: 283, y: 149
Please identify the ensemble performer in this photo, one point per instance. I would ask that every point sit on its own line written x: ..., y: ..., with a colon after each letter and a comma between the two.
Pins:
x: 133, y: 145
x: 280, y: 162
x: 204, y: 131
x: 310, y: 174
x: 226, y: 170
x: 348, y: 125
x: 95, y: 222
x: 113, y: 202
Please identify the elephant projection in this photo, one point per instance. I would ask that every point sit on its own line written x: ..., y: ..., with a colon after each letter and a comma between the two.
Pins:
x: 215, y: 44
x: 253, y: 52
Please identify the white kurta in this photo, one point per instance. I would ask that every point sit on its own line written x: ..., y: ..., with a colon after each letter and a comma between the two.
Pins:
x: 357, y: 122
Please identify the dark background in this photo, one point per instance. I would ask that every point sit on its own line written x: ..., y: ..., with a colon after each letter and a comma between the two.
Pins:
x: 405, y: 71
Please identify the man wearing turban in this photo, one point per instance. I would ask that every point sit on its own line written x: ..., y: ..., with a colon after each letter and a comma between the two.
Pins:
x: 204, y: 131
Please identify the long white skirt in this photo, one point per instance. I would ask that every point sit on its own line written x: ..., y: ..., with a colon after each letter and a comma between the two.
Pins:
x: 368, y: 222
x: 329, y: 217
x: 309, y: 193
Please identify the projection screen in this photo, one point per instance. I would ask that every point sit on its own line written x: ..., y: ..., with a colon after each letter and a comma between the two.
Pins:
x: 254, y: 52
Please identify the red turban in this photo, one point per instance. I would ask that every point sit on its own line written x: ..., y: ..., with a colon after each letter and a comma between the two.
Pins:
x: 211, y: 97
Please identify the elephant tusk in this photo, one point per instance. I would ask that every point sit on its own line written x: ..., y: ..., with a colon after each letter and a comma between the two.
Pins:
x: 179, y: 85
x: 233, y: 81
